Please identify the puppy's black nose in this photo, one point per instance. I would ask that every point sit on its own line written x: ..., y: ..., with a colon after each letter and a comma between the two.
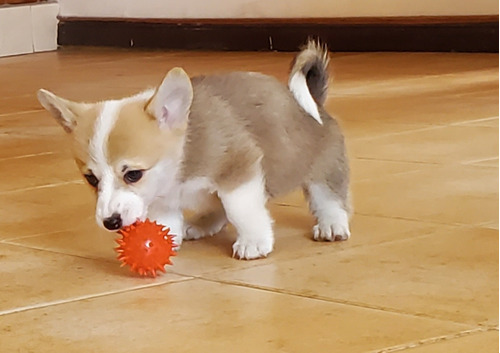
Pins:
x: 113, y: 223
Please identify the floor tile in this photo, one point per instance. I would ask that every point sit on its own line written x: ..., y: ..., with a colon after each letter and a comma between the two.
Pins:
x: 180, y: 317
x: 31, y: 132
x: 34, y: 122
x: 373, y: 169
x: 45, y: 209
x: 434, y: 108
x: 449, y: 195
x: 363, y: 130
x: 416, y: 85
x: 44, y: 278
x: 432, y: 146
x: 37, y: 170
x: 362, y: 170
x: 352, y: 67
x: 84, y: 239
x: 19, y: 146
x: 452, y: 275
x: 14, y: 104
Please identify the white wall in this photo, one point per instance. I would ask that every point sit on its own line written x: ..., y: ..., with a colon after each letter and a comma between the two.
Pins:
x: 274, y: 8
x: 28, y: 28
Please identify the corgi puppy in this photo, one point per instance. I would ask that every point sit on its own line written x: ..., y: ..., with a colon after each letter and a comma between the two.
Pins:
x: 218, y: 145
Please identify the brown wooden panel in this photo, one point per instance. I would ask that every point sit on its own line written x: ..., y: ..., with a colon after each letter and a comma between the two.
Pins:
x: 465, y: 34
x: 404, y: 20
x: 12, y: 2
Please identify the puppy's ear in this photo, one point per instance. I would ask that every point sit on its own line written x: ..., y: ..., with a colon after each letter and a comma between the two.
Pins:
x: 172, y: 100
x: 64, y: 111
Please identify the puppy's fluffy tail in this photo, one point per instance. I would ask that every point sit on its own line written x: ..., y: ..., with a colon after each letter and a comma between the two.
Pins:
x: 308, y: 79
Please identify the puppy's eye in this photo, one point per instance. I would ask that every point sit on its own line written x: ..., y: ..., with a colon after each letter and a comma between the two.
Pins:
x: 133, y: 176
x: 91, y: 179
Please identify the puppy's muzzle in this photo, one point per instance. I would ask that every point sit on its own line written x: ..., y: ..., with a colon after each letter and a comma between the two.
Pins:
x: 113, y: 223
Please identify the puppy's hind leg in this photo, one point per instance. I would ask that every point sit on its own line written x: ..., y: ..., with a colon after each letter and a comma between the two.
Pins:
x: 331, y: 209
x: 209, y: 219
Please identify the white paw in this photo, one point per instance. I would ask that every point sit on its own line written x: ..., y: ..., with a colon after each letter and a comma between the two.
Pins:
x: 248, y: 249
x: 194, y: 232
x: 177, y: 242
x: 331, y: 232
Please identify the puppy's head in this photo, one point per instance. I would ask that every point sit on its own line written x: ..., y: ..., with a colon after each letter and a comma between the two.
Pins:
x: 128, y: 150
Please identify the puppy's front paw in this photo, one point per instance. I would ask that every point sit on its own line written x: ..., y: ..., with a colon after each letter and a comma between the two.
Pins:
x: 248, y: 249
x: 331, y: 232
x: 177, y: 242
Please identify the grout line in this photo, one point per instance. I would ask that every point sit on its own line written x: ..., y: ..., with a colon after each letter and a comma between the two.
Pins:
x: 465, y: 122
x: 487, y: 224
x: 58, y: 252
x: 430, y: 222
x: 481, y: 160
x: 396, y: 161
x: 16, y: 95
x: 418, y: 220
x: 426, y: 221
x: 398, y: 133
x: 28, y: 156
x: 411, y: 84
x: 34, y: 235
x: 22, y: 112
x: 382, y: 178
x: 47, y: 186
x: 326, y: 299
x: 423, y: 129
x: 434, y: 340
x: 90, y: 296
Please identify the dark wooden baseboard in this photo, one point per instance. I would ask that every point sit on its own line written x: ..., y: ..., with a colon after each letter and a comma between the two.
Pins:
x: 437, y: 34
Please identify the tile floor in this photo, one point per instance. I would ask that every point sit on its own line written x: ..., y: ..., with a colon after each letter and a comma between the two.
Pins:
x: 420, y: 273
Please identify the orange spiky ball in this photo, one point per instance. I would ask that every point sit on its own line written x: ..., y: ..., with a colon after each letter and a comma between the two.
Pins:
x: 146, y: 247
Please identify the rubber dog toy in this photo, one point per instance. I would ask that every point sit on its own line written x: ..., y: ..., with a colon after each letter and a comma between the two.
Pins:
x: 146, y: 247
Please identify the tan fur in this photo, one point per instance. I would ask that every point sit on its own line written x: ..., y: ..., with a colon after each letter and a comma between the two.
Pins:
x: 136, y: 139
x: 77, y: 119
x: 231, y: 129
x: 82, y: 134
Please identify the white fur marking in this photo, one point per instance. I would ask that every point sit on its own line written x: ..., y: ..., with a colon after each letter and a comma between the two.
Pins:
x: 99, y: 165
x: 246, y: 209
x: 172, y: 219
x: 298, y: 86
x: 111, y: 198
x: 333, y: 220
